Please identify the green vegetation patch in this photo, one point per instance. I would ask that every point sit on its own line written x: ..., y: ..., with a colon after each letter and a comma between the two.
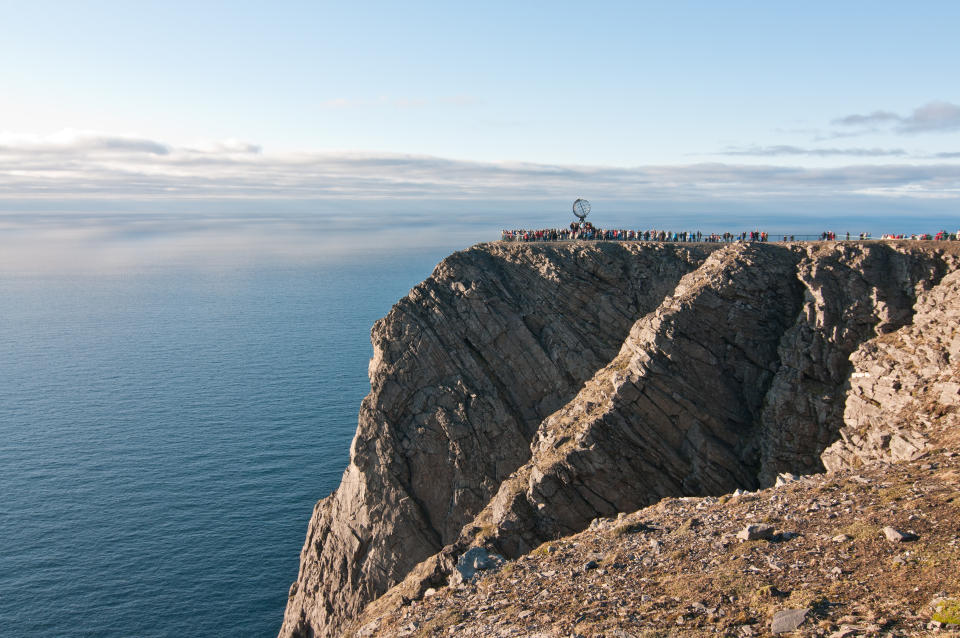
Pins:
x: 861, y: 530
x: 895, y: 493
x: 545, y: 548
x: 948, y: 611
x: 485, y: 532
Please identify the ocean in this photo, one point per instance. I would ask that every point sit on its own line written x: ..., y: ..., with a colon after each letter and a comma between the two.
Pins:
x: 179, y: 387
x: 165, y: 431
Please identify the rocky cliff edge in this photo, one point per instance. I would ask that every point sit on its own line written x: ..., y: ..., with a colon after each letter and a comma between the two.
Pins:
x: 523, y: 391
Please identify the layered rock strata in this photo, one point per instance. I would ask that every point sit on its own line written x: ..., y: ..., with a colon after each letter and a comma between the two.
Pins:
x: 524, y: 390
x: 464, y: 370
x: 675, y: 412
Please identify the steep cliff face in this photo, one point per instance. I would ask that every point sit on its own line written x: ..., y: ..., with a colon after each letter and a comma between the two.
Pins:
x: 675, y: 412
x: 851, y: 294
x: 464, y: 370
x: 524, y: 390
x: 904, y: 391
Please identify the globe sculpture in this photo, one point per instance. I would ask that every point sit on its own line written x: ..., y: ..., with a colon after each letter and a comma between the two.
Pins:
x: 581, y: 208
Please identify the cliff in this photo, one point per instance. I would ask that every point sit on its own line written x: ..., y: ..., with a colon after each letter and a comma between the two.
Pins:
x: 522, y: 391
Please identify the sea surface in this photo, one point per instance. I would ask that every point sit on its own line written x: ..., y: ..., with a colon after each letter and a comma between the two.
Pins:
x: 179, y: 384
x: 165, y: 432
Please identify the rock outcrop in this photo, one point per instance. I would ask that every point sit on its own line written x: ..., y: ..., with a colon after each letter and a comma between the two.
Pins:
x: 524, y: 390
x: 905, y: 388
x: 851, y: 294
x: 464, y: 370
x: 675, y: 412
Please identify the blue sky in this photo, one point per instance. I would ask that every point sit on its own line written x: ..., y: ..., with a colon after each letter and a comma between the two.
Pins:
x: 622, y: 84
x: 783, y: 107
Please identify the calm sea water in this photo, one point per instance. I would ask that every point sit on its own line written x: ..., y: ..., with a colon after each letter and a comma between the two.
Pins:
x: 164, y: 434
x: 165, y: 430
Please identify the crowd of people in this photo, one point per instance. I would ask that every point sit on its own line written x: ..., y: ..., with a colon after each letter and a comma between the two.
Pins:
x: 587, y: 231
x: 940, y: 236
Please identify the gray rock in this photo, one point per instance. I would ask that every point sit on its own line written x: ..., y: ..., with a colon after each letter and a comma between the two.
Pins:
x: 755, y: 532
x: 895, y: 378
x: 464, y: 369
x: 590, y: 564
x: 896, y: 536
x: 475, y: 559
x: 842, y: 538
x: 788, y: 620
x: 785, y: 478
x: 368, y: 630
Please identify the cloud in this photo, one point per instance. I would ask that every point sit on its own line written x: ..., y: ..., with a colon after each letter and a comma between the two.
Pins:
x: 101, y: 166
x: 382, y: 101
x: 70, y: 141
x: 780, y: 150
x: 936, y: 116
x: 341, y: 103
x: 409, y: 103
x: 877, y: 117
x: 226, y: 146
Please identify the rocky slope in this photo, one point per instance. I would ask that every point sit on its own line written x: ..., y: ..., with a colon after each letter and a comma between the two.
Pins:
x: 870, y: 548
x: 678, y: 568
x: 524, y: 390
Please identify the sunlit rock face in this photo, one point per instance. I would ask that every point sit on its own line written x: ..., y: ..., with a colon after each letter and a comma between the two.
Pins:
x: 525, y: 389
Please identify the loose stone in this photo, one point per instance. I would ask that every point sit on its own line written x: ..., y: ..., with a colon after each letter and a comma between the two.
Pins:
x: 788, y: 620
x: 755, y: 532
x: 896, y: 536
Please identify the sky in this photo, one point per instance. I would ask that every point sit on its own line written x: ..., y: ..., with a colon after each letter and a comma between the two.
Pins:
x: 785, y: 109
